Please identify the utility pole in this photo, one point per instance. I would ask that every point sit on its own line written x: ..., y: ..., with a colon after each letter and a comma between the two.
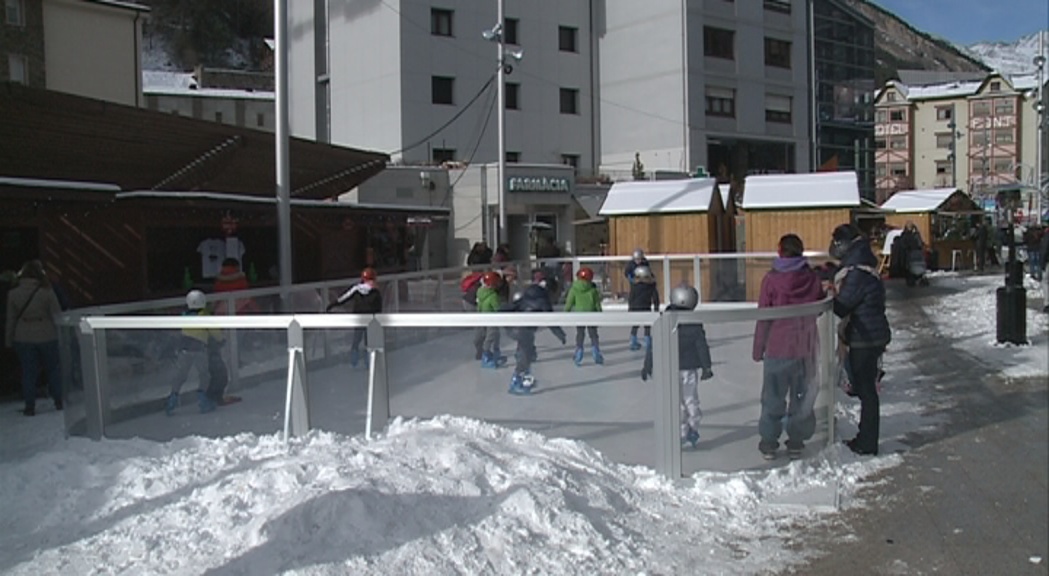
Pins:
x: 283, y: 168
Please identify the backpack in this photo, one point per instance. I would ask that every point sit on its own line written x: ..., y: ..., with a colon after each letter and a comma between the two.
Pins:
x: 470, y: 282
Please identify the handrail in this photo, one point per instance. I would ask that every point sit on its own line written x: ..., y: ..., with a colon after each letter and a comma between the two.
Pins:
x: 744, y: 312
x: 70, y: 317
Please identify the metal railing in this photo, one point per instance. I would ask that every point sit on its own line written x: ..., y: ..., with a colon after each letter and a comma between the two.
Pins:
x: 94, y: 356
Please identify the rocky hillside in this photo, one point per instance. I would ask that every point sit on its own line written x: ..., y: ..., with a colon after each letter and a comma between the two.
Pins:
x: 898, y: 45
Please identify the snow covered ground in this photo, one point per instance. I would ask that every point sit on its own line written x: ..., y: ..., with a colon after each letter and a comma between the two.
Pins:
x: 440, y: 495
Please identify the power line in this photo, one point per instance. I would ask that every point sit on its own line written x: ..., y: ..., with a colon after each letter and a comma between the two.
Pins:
x: 451, y: 120
x: 477, y: 146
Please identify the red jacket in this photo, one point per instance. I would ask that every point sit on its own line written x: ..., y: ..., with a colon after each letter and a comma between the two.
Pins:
x: 231, y: 280
x: 791, y: 281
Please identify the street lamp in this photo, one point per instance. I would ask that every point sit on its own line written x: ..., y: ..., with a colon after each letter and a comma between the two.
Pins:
x: 495, y: 34
x: 1039, y: 107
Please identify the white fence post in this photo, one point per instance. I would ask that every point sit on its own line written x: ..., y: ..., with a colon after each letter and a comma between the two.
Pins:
x: 667, y: 420
x: 296, y: 401
x: 697, y: 277
x: 378, y: 387
x: 829, y: 368
x: 92, y: 380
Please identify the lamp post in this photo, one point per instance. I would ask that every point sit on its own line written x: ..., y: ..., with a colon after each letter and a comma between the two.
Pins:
x: 1039, y: 107
x: 497, y: 34
x: 283, y: 166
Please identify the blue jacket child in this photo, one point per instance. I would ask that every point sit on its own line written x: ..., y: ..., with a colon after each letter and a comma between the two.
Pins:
x: 535, y: 298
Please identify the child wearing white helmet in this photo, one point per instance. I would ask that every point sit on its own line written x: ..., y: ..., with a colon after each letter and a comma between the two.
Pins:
x: 192, y: 353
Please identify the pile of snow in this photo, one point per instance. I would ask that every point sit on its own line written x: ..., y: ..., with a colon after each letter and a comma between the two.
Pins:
x: 1010, y: 57
x: 447, y: 495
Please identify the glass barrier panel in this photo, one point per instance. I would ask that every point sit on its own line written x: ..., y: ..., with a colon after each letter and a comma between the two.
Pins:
x: 72, y: 380
x: 141, y: 369
x: 337, y: 379
x: 748, y: 408
x: 433, y: 371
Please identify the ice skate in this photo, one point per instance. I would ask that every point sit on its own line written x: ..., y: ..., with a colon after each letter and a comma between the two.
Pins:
x: 522, y: 384
x: 634, y: 344
x: 598, y: 358
x: 690, y: 439
x: 171, y: 404
x: 578, y: 358
x: 206, y: 404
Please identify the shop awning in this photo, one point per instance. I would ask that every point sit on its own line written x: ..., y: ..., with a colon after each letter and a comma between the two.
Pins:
x: 50, y: 135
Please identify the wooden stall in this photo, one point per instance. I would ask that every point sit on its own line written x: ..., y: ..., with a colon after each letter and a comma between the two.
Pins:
x: 809, y: 205
x: 663, y: 217
x: 943, y: 217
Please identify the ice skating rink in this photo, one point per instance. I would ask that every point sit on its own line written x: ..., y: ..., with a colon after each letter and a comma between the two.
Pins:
x: 432, y: 372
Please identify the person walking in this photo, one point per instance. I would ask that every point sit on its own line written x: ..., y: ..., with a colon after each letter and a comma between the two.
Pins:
x: 583, y: 296
x: 787, y: 349
x: 859, y: 298
x: 30, y: 329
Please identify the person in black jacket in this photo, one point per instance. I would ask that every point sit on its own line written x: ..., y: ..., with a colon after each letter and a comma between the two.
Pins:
x: 534, y: 299
x: 693, y: 356
x: 644, y: 297
x: 363, y: 298
x: 859, y: 299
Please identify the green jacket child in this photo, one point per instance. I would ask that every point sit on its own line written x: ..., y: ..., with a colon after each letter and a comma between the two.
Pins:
x: 583, y: 296
x: 488, y: 299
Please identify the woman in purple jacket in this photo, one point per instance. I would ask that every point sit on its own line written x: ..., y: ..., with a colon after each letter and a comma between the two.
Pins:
x: 788, y: 349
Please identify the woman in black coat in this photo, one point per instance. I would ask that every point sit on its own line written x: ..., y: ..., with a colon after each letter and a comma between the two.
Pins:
x: 859, y: 299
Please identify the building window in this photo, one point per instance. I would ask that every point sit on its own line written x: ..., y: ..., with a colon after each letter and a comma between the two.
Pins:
x: 1004, y: 108
x: 896, y: 116
x: 777, y: 53
x: 513, y: 95
x: 513, y: 157
x: 1003, y: 165
x: 570, y: 160
x: 14, y: 12
x: 879, y: 170
x: 943, y: 139
x: 890, y: 97
x: 981, y: 109
x: 440, y: 22
x: 510, y: 30
x: 979, y: 139
x: 1003, y: 136
x: 567, y: 39
x: 879, y: 143
x: 944, y: 112
x: 881, y: 116
x: 441, y: 155
x: 442, y: 89
x: 18, y: 68
x: 996, y: 86
x: 898, y: 169
x: 898, y: 142
x: 721, y: 102
x: 777, y: 109
x: 942, y: 167
x: 719, y: 43
x: 778, y: 6
x: 569, y: 101
x: 260, y: 120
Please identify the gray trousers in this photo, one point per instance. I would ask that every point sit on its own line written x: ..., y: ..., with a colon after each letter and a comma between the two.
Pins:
x: 784, y: 392
x: 184, y: 361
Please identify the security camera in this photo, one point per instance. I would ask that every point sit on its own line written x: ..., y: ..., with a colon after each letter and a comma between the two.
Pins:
x: 495, y: 34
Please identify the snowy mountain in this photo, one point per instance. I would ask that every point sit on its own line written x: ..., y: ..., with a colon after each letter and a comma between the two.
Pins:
x: 1011, y: 57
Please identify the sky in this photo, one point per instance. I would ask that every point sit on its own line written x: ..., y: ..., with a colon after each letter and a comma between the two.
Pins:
x: 970, y: 21
x: 455, y: 495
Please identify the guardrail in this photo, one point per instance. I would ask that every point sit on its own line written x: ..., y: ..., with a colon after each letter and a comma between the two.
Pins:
x: 94, y: 354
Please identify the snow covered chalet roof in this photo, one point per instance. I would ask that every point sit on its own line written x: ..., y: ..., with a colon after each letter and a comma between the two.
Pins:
x: 659, y: 197
x: 918, y: 200
x: 818, y: 190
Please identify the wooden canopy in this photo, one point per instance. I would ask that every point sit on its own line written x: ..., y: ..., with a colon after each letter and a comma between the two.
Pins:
x: 50, y: 135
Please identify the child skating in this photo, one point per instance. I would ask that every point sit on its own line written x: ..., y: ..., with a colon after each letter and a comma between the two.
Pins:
x: 694, y: 363
x: 489, y: 300
x: 535, y: 298
x: 644, y: 297
x: 193, y: 354
x: 583, y: 296
x: 363, y: 298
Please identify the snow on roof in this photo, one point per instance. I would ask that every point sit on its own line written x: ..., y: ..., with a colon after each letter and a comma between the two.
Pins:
x: 960, y: 88
x: 918, y: 200
x: 821, y: 189
x: 659, y: 196
x: 162, y: 82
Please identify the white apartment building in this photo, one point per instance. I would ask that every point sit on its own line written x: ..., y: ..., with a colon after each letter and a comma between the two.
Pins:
x: 991, y: 124
x: 719, y: 84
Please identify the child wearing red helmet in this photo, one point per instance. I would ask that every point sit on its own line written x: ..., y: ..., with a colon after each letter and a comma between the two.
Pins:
x: 364, y: 298
x: 489, y: 299
x: 583, y: 296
